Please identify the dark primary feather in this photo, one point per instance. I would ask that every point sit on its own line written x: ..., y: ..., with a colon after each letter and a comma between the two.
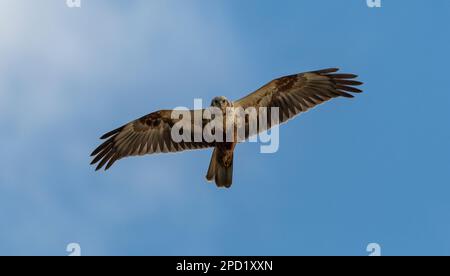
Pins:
x: 298, y: 93
x: 147, y: 135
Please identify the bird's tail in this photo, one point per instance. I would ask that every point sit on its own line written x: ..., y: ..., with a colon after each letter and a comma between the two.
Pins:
x: 219, y: 171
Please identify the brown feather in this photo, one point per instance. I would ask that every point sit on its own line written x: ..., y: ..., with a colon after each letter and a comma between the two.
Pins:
x: 146, y: 135
x: 295, y: 94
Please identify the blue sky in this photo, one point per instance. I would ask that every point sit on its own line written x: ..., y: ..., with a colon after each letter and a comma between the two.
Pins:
x: 372, y: 169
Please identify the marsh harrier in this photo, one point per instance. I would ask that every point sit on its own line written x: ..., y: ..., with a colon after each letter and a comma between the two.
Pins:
x: 291, y: 95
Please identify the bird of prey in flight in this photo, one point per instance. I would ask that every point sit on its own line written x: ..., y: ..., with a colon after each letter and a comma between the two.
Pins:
x: 292, y: 95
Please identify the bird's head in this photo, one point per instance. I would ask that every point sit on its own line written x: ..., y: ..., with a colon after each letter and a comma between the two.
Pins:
x: 221, y: 102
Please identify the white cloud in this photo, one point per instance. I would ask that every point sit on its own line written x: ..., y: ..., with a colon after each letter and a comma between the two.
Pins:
x: 59, y: 66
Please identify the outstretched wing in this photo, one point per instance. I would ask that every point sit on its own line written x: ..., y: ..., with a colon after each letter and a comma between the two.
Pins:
x: 298, y: 93
x: 147, y: 135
